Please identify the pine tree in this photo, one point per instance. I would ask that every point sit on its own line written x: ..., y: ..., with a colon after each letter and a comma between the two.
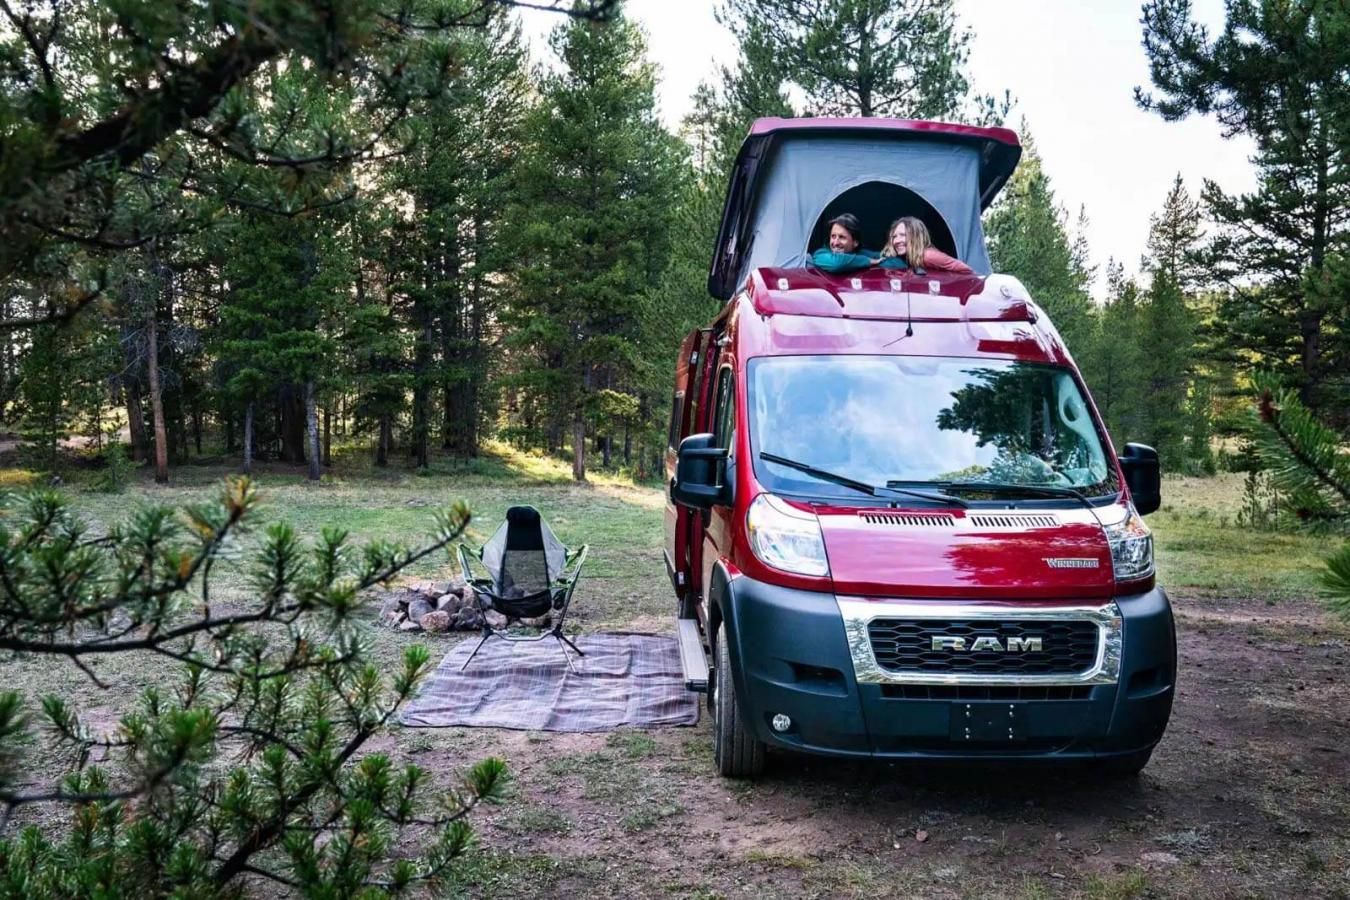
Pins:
x: 1174, y: 237
x: 1171, y: 366
x: 374, y: 345
x: 250, y: 766
x: 1276, y: 72
x: 1113, y: 362
x: 1028, y: 239
x: 1307, y: 462
x: 447, y: 254
x: 271, y: 338
x: 723, y: 114
x: 861, y: 57
x: 597, y: 181
x: 60, y: 379
x: 1167, y: 367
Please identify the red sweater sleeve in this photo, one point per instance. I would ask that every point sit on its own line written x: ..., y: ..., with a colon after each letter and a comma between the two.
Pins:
x: 935, y: 259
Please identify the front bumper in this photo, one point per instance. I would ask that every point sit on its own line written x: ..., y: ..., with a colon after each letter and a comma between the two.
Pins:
x: 799, y: 653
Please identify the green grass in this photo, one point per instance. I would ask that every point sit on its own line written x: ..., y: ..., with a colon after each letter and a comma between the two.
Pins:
x: 491, y: 874
x: 1119, y: 886
x: 1202, y: 548
x: 529, y: 819
x: 620, y: 521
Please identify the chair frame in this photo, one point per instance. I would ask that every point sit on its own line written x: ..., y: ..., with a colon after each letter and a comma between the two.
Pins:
x: 559, y: 592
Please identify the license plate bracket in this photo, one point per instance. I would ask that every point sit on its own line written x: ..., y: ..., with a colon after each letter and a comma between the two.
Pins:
x: 987, y: 722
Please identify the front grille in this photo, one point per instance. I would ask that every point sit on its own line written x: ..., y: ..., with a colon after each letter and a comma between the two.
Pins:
x: 906, y: 645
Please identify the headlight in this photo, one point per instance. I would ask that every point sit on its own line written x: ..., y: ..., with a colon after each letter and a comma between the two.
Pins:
x: 1131, y: 547
x: 786, y: 538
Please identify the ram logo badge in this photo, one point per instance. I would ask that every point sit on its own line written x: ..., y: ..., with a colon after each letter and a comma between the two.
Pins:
x: 988, y: 642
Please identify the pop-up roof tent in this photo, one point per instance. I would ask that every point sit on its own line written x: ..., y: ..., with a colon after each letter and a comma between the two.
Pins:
x: 793, y: 175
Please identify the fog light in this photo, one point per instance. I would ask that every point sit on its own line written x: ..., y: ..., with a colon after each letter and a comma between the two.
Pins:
x: 781, y: 723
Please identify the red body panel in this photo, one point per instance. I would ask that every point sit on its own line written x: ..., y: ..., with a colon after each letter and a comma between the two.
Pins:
x: 794, y: 311
x: 881, y: 560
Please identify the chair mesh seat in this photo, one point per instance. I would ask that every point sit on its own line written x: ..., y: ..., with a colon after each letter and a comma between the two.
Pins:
x: 529, y: 575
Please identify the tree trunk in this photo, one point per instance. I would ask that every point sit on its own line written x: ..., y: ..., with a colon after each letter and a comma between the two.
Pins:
x: 578, y: 446
x: 248, y: 439
x: 312, y: 433
x: 292, y: 425
x: 197, y: 425
x: 1310, y: 335
x: 422, y: 393
x: 228, y: 419
x: 383, y: 442
x: 605, y: 444
x: 156, y: 401
x: 135, y: 418
x: 328, y: 434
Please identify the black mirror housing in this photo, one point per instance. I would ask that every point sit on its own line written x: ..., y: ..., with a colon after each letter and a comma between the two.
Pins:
x: 696, y: 473
x: 1139, y: 462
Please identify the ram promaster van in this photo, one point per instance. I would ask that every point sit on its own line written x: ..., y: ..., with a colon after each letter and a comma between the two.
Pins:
x: 895, y: 524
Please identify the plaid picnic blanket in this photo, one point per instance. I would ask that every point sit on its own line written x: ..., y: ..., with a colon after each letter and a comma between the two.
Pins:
x: 624, y: 680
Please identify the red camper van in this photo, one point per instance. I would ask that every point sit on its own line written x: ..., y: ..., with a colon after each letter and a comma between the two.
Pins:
x: 895, y: 526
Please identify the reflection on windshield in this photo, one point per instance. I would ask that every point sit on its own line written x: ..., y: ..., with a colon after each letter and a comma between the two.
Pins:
x: 923, y: 419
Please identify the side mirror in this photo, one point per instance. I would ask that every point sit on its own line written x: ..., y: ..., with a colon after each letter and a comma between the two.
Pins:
x: 1142, y: 474
x: 696, y: 471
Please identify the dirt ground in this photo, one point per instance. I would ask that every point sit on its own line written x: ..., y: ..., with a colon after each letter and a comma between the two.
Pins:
x: 1246, y: 796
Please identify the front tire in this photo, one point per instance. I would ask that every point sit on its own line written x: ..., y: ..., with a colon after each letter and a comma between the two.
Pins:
x: 738, y: 753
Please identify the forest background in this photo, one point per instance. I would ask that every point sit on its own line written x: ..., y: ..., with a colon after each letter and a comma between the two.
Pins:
x: 511, y: 250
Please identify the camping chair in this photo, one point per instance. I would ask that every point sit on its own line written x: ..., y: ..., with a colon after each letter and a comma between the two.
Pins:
x: 530, y: 573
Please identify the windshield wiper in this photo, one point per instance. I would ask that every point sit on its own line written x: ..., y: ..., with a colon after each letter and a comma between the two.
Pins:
x: 862, y: 486
x: 1005, y: 488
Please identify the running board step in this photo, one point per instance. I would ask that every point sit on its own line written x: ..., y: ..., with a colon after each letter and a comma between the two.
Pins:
x: 692, y: 660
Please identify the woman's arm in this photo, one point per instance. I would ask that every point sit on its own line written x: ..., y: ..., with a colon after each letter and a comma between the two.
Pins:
x: 935, y: 259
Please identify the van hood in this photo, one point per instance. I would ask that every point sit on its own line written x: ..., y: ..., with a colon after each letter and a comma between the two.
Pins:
x: 988, y: 554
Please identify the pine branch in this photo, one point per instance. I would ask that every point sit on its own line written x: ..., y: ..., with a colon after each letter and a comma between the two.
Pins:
x: 1306, y: 450
x: 1336, y: 582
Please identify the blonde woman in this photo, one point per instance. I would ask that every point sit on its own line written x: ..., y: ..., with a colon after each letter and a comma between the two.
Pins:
x: 910, y: 245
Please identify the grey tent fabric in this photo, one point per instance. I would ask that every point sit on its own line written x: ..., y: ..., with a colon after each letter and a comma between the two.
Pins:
x: 811, y: 170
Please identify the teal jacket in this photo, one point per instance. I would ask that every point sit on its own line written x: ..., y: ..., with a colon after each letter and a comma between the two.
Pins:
x: 827, y: 260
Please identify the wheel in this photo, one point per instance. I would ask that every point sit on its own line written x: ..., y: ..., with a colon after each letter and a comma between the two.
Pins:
x: 738, y: 753
x: 1127, y: 766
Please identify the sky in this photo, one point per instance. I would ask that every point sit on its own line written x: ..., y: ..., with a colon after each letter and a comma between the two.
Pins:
x: 1072, y: 68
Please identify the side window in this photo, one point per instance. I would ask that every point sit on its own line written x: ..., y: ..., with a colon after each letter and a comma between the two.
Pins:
x: 676, y: 411
x: 696, y: 385
x: 726, y: 409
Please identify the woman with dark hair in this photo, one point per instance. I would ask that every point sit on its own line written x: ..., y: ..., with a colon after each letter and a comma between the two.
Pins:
x: 843, y: 254
x: 909, y: 244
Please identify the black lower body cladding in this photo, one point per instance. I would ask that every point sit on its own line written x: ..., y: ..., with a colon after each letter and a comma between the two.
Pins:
x: 791, y: 656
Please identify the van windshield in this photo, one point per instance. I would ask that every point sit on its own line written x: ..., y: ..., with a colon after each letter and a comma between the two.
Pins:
x: 882, y: 420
